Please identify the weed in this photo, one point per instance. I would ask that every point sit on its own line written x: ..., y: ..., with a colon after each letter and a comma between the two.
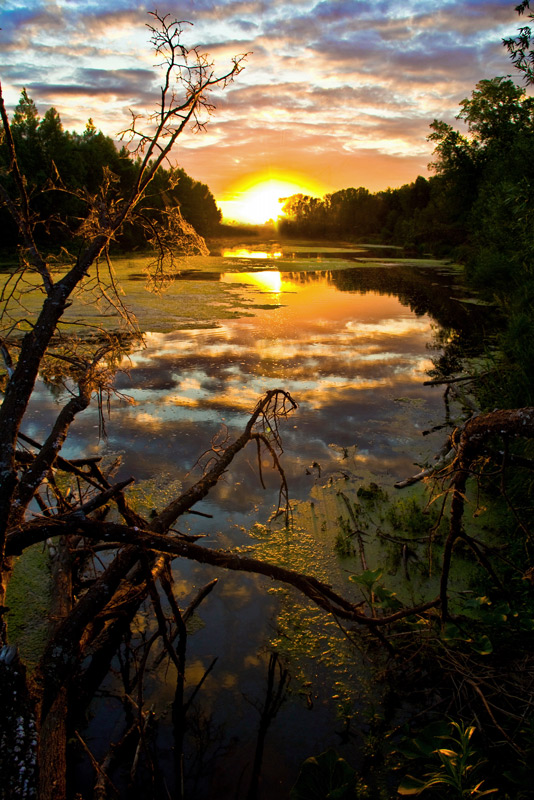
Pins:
x: 343, y: 544
x: 453, y: 770
x: 372, y: 494
x: 410, y: 517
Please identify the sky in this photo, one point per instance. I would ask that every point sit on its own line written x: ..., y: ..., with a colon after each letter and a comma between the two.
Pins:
x: 335, y: 93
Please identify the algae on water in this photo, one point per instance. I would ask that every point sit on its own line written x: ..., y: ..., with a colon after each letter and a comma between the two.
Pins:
x: 29, y: 597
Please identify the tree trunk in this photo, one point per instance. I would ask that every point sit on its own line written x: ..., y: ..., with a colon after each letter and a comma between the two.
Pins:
x: 53, y: 733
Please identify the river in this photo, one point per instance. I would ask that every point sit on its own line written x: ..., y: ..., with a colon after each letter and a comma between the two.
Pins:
x: 351, y: 333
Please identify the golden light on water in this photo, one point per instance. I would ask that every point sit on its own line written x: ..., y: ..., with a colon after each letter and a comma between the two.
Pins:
x: 259, y: 198
x: 265, y: 280
x: 242, y: 252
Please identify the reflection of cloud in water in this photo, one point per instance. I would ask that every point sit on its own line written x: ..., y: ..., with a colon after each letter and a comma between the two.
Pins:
x: 344, y: 356
x: 182, y: 400
x: 389, y: 327
x: 239, y: 391
x: 191, y: 384
x: 164, y: 411
x: 359, y: 342
x: 144, y: 418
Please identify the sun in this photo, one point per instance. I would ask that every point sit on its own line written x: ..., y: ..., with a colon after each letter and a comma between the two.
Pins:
x: 257, y: 199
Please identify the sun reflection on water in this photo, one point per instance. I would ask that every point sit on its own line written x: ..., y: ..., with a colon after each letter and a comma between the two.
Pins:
x: 243, y: 252
x: 268, y: 280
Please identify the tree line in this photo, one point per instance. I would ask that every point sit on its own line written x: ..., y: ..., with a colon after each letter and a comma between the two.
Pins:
x: 79, y: 504
x: 481, y: 183
x: 359, y: 215
x: 64, y: 168
x: 477, y: 209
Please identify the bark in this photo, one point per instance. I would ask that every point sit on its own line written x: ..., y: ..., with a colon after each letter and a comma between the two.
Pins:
x: 65, y: 649
x: 78, y: 631
x: 267, y: 409
x: 54, y: 728
x: 321, y: 593
x: 182, y: 96
x: 18, y: 732
x: 43, y: 462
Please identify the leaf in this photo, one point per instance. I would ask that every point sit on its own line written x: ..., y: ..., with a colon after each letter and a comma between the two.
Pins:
x: 408, y: 749
x: 482, y: 645
x: 386, y: 598
x: 367, y: 578
x: 451, y: 632
x: 447, y: 753
x: 484, y: 793
x: 325, y: 777
x: 425, y: 742
x: 411, y: 786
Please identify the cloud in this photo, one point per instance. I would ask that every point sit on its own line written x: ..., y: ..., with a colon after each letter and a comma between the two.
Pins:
x: 97, y: 82
x: 341, y: 89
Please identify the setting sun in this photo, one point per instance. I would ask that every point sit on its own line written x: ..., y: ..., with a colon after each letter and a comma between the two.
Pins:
x: 257, y: 199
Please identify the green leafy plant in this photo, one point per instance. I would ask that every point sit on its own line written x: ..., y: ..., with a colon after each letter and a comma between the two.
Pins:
x: 372, y: 494
x: 480, y: 643
x: 452, y: 770
x: 376, y: 594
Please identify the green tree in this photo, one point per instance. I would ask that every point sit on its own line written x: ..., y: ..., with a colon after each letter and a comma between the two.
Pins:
x: 76, y: 163
x: 25, y: 130
x: 488, y: 185
x: 304, y: 216
x: 496, y: 113
x: 25, y: 119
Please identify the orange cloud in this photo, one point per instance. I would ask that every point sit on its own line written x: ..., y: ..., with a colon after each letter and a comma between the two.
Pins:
x: 342, y: 92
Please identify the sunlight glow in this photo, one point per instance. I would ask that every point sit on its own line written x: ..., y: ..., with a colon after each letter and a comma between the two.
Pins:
x: 243, y: 252
x: 257, y: 199
x: 265, y: 281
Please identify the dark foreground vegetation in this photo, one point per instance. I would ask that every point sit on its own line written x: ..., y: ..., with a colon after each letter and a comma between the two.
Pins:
x: 459, y: 666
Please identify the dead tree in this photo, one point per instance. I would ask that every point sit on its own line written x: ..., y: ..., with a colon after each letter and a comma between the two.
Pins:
x: 88, y: 630
x: 188, y: 78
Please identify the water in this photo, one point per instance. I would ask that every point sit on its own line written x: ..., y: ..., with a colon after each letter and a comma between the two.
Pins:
x: 353, y: 345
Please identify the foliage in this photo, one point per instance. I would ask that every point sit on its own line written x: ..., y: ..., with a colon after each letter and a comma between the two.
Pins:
x: 69, y: 199
x: 325, y: 777
x: 487, y: 165
x: 453, y: 769
x: 520, y: 46
x: 410, y: 517
x: 373, y: 494
x: 63, y: 166
x: 398, y: 216
x: 477, y: 207
x: 376, y: 594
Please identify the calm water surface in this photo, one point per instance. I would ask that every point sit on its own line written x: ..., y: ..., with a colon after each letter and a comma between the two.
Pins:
x: 353, y: 347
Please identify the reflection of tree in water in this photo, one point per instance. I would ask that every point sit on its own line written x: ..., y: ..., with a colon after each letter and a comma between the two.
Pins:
x: 463, y: 328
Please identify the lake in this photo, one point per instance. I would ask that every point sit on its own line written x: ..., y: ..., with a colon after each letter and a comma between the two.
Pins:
x: 351, y: 333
